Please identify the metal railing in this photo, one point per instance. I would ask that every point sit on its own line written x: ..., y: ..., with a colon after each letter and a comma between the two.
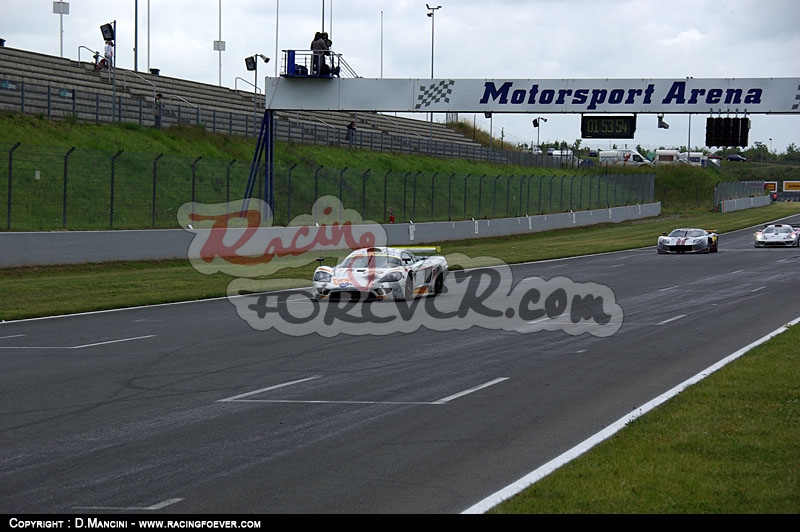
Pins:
x: 236, y: 84
x: 125, y: 81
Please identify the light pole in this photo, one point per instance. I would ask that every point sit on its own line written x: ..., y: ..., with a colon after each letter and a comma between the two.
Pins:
x: 431, y: 13
x: 770, y: 144
x: 61, y: 9
x: 219, y: 46
x: 277, y: 15
x: 536, y: 122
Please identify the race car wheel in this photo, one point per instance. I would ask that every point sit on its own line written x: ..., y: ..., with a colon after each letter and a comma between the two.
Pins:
x: 408, y: 291
x: 438, y: 285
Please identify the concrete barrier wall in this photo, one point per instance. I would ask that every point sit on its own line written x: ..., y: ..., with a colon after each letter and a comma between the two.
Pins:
x: 744, y: 203
x: 78, y: 247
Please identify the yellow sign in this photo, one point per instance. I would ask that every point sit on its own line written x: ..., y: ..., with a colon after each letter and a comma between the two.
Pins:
x: 790, y: 186
x: 772, y: 186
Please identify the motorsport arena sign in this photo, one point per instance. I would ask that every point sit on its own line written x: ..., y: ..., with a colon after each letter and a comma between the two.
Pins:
x: 538, y: 96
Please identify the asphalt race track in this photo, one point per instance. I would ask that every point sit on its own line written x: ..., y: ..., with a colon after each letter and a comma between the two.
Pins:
x: 190, y: 408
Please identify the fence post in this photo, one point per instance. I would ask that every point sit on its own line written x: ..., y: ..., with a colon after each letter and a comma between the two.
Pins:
x: 10, y: 168
x: 385, y: 186
x: 508, y: 193
x: 289, y: 195
x: 466, y: 179
x: 316, y: 185
x: 341, y: 191
x: 405, y: 179
x: 113, y: 172
x: 66, y: 157
x: 194, y: 179
x: 155, y: 165
x: 228, y: 185
x: 480, y: 194
x: 414, y: 197
x: 494, y: 197
x: 364, y: 193
x: 433, y: 193
x: 450, y: 196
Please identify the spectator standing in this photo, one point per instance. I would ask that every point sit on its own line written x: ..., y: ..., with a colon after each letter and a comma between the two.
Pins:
x: 318, y: 47
x: 158, y: 106
x: 351, y: 132
x: 109, y: 54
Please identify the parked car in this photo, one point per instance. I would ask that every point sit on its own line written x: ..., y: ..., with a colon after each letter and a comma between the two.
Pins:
x: 737, y: 158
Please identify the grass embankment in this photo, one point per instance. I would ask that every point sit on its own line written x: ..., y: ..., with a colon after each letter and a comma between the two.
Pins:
x: 730, y: 444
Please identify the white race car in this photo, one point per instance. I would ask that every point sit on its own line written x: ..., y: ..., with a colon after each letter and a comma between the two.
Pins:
x: 688, y: 240
x: 382, y: 272
x: 777, y: 235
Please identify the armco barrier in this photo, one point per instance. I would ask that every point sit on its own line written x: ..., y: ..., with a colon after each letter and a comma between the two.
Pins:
x: 78, y: 247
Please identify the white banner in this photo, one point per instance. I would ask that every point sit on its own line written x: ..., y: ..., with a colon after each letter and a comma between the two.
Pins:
x: 538, y: 96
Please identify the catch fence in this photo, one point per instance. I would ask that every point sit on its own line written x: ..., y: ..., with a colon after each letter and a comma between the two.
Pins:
x: 47, y: 188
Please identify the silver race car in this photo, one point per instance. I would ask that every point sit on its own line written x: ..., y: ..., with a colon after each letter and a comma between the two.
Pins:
x: 382, y: 272
x: 688, y: 240
x: 777, y: 235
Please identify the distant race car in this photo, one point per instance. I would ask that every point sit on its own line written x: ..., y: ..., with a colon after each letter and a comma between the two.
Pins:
x: 383, y: 272
x: 777, y: 235
x: 688, y: 240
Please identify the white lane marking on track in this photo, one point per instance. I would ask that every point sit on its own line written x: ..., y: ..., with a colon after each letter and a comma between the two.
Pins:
x: 241, y: 398
x: 156, y: 506
x: 758, y: 289
x: 12, y: 336
x: 78, y: 346
x: 679, y: 316
x: 114, y: 341
x: 471, y: 390
x: 262, y: 390
x: 669, y: 288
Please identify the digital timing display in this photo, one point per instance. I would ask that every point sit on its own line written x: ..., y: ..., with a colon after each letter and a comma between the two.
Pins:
x: 608, y: 127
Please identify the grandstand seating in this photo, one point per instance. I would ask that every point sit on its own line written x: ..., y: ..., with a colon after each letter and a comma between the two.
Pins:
x: 72, y: 87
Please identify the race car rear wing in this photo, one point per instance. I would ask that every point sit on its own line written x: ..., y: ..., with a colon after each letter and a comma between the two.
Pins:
x: 424, y: 252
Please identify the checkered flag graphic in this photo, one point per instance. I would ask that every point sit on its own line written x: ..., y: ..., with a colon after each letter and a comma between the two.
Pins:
x: 435, y: 93
x: 797, y: 98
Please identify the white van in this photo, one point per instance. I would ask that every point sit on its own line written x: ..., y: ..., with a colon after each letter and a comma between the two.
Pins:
x: 695, y: 158
x: 624, y: 157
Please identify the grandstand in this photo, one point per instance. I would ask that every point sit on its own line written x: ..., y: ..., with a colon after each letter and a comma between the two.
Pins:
x: 35, y: 83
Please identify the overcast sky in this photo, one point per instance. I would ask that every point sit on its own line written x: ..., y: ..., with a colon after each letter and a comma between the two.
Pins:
x: 472, y: 39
